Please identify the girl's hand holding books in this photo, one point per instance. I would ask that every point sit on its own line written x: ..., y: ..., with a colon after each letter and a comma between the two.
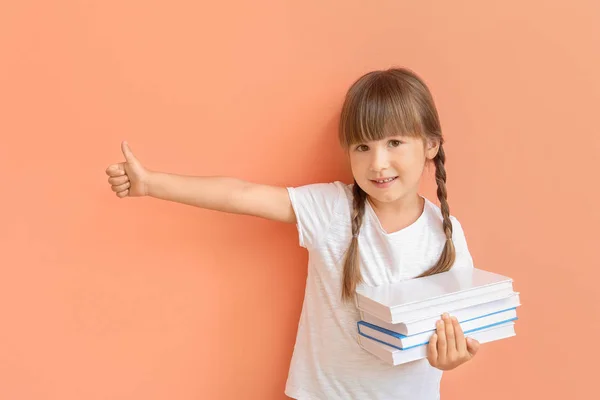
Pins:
x: 448, y: 348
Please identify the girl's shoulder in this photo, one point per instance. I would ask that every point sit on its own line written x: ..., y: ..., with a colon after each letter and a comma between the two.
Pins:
x: 322, y: 192
x: 317, y: 206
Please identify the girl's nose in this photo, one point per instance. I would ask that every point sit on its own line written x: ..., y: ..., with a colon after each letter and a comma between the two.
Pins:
x: 380, y: 160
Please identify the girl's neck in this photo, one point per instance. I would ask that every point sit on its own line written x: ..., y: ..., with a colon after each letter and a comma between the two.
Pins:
x: 409, y: 203
x: 398, y: 214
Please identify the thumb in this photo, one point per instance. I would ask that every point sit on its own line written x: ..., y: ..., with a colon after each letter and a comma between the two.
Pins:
x: 472, y: 346
x: 129, y: 157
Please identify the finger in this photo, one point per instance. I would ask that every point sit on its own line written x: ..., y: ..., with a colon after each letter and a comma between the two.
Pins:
x: 461, y: 344
x: 120, y: 188
x: 450, y: 338
x: 115, y: 169
x: 123, y: 193
x: 472, y: 346
x: 127, y: 152
x: 442, y: 348
x: 432, y: 354
x: 118, y: 180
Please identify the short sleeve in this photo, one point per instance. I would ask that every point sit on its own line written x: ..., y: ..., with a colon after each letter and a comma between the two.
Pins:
x: 314, y: 206
x: 463, y: 256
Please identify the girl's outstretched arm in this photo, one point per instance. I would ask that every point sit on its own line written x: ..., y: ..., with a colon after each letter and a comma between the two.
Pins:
x: 227, y: 194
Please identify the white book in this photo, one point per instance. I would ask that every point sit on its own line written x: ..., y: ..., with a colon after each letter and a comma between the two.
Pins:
x: 427, y: 322
x: 395, y: 356
x: 405, y: 342
x: 405, y: 300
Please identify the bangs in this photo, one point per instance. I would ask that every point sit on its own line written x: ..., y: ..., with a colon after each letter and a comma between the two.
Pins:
x: 380, y: 106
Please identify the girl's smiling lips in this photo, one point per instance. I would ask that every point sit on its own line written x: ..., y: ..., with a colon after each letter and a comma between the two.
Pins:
x: 384, y: 182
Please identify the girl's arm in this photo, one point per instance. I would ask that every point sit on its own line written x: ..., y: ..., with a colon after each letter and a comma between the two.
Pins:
x: 232, y: 195
x: 225, y: 194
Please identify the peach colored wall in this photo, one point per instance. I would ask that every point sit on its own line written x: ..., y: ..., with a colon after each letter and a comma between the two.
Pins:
x: 103, y: 298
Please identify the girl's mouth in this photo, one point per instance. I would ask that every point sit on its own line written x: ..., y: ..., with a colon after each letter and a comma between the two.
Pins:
x: 385, y: 182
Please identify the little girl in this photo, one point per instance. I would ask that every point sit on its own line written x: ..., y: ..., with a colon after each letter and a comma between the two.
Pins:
x: 375, y: 231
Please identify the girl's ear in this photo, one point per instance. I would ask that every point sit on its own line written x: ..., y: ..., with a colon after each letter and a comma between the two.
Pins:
x: 432, y: 148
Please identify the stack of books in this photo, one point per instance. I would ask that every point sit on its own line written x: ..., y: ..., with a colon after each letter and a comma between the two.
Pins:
x: 397, y: 320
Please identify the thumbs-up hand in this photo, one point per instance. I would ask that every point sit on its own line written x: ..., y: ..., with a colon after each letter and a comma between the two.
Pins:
x: 128, y: 178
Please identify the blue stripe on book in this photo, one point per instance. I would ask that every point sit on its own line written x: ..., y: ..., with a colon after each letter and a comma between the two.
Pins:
x: 401, y: 336
x: 424, y: 343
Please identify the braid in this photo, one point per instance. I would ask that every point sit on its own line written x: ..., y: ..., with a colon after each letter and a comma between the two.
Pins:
x: 448, y: 255
x: 360, y: 197
x: 440, y: 178
x: 352, y: 276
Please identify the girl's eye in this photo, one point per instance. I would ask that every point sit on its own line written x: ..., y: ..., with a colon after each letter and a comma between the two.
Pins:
x: 362, y: 147
x: 395, y: 143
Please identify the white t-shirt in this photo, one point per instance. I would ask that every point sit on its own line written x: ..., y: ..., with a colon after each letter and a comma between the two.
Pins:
x: 327, y: 361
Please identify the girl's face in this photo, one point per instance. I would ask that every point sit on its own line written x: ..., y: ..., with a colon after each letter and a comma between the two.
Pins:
x: 391, y: 168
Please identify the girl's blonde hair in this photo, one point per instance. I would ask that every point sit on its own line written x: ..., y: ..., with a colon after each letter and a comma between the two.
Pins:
x: 382, y: 104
